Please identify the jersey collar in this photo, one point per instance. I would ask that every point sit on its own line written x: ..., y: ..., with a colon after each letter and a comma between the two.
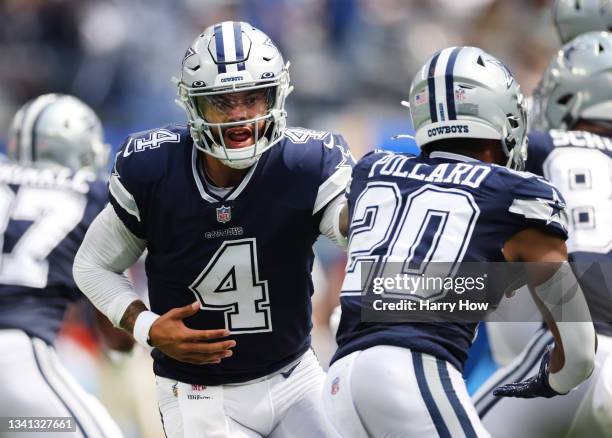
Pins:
x: 206, y: 193
x: 451, y: 156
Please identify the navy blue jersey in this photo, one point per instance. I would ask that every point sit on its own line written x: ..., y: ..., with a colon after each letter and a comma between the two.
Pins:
x: 44, y: 216
x: 580, y: 165
x: 442, y: 208
x: 247, y: 256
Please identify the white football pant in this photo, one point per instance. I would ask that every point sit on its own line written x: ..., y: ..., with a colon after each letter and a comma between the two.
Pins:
x: 584, y: 412
x: 387, y: 391
x: 35, y: 384
x: 285, y: 404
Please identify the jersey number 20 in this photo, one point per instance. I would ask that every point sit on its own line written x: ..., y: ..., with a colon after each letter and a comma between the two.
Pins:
x: 433, y: 224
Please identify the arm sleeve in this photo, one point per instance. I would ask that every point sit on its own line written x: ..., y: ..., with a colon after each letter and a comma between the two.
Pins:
x: 330, y: 222
x: 108, y: 249
x: 563, y: 298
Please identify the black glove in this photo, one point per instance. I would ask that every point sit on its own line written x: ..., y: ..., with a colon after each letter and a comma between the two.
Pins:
x: 536, y: 386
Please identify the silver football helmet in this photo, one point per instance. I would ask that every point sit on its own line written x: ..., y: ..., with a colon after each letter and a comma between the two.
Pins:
x: 575, y: 17
x: 576, y: 85
x: 224, y: 64
x: 463, y: 92
x: 58, y: 129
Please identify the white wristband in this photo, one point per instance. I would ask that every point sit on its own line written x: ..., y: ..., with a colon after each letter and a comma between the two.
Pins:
x: 143, y: 324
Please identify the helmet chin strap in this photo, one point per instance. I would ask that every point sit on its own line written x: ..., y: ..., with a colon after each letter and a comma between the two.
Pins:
x: 516, y: 157
x: 240, y: 163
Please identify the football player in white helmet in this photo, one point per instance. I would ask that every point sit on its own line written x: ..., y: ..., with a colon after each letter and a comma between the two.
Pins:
x: 571, y: 19
x: 235, y: 102
x: 50, y: 192
x: 461, y: 200
x: 228, y: 208
x: 573, y: 110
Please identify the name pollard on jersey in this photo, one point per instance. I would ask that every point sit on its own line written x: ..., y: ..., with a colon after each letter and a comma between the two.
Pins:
x: 45, y: 213
x: 473, y: 208
x: 246, y: 256
x: 580, y: 164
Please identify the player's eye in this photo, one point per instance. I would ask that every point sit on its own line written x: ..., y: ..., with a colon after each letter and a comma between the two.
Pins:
x: 223, y: 103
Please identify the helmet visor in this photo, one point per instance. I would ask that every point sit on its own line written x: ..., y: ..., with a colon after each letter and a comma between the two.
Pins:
x: 239, y: 119
x: 233, y: 107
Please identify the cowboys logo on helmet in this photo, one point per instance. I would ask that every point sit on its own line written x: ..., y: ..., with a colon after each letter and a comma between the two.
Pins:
x: 233, y: 87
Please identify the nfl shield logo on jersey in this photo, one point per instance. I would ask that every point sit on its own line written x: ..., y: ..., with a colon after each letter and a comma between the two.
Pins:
x: 224, y: 214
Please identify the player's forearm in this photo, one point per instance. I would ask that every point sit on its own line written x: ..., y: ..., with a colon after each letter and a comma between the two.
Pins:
x: 98, y: 268
x: 128, y: 320
x: 564, y: 307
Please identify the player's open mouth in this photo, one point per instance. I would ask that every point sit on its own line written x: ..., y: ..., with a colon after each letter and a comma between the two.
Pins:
x: 239, y: 136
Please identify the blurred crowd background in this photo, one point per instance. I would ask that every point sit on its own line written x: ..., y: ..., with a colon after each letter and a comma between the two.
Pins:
x: 352, y: 62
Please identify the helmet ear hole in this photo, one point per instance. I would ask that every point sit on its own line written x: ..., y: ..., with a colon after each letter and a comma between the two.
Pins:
x: 513, y: 121
x: 480, y: 61
x: 564, y: 100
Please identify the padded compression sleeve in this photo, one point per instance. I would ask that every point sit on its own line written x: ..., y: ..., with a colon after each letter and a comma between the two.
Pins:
x: 564, y: 299
x: 108, y: 249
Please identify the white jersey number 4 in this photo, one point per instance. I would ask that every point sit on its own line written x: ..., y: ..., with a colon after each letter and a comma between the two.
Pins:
x: 230, y: 284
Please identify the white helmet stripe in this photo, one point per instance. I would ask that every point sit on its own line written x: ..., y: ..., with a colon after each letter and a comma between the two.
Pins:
x: 450, y: 84
x: 229, y: 45
x: 440, y: 84
x: 27, y: 137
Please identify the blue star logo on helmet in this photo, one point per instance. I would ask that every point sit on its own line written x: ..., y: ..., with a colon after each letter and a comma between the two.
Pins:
x: 188, y: 53
x: 575, y: 47
x: 505, y: 69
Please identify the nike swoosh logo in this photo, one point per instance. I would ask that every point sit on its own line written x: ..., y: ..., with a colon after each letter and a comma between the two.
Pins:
x: 287, y: 373
x: 126, y: 150
x: 329, y: 145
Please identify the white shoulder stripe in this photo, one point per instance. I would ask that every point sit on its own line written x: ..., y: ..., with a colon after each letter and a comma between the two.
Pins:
x: 534, y: 209
x: 123, y: 197
x: 332, y: 187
